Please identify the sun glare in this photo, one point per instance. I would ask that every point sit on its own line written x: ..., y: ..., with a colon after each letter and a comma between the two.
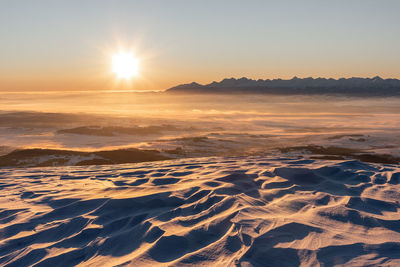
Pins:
x: 125, y: 65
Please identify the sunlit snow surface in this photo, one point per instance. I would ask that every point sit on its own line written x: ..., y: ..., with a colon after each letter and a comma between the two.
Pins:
x: 250, y: 211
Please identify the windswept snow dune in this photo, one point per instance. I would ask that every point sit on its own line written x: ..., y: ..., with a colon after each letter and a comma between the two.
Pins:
x: 254, y: 211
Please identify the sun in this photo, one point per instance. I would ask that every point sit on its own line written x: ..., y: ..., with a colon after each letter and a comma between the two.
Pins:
x: 125, y: 65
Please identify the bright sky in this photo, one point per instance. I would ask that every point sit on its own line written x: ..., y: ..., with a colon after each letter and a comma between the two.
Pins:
x: 68, y: 45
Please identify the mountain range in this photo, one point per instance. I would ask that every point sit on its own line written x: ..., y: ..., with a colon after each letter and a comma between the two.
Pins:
x: 344, y: 86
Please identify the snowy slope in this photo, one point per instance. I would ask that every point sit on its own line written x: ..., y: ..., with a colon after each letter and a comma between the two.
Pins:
x: 254, y: 211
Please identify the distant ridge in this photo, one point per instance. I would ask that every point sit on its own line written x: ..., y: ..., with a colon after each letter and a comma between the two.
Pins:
x: 344, y: 86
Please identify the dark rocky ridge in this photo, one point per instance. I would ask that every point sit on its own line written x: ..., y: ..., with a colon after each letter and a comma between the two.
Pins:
x: 36, y: 157
x: 344, y: 86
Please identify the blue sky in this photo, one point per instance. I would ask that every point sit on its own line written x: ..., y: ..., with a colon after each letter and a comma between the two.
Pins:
x: 66, y: 45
